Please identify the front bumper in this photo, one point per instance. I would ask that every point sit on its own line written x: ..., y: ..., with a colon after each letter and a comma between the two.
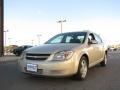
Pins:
x: 49, y: 68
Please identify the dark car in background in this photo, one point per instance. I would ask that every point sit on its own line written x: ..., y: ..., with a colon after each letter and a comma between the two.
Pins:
x: 18, y: 51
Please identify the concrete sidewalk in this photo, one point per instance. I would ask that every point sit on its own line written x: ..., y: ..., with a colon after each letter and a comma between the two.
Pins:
x: 9, y: 58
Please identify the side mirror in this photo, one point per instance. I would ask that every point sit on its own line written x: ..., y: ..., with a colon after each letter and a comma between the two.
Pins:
x: 92, y: 42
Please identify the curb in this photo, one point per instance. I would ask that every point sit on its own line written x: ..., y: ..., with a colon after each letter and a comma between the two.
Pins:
x: 8, y: 58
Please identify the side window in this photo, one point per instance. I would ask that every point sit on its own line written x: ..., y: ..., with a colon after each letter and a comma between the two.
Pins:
x: 81, y: 38
x: 68, y: 38
x: 91, y: 37
x: 98, y: 39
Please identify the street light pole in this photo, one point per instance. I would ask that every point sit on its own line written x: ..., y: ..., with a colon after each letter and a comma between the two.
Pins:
x: 61, y: 21
x: 9, y: 41
x: 32, y: 42
x: 39, y: 35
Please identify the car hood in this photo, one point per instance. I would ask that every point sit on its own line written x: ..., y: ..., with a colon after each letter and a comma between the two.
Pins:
x: 50, y: 48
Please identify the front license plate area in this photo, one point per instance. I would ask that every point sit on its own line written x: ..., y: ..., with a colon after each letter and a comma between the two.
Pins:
x: 32, y: 67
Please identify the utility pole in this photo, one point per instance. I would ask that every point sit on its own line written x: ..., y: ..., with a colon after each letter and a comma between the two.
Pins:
x: 1, y: 28
x: 61, y: 21
x: 5, y: 37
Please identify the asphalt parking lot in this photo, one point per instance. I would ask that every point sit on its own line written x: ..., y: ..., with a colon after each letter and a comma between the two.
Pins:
x: 98, y: 78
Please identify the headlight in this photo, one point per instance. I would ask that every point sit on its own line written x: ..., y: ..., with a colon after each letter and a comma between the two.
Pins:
x: 63, y: 55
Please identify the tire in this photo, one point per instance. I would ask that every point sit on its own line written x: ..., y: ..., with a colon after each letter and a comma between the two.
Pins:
x: 82, y: 69
x: 104, y: 62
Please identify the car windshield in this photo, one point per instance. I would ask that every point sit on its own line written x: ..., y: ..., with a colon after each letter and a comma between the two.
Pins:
x: 73, y: 37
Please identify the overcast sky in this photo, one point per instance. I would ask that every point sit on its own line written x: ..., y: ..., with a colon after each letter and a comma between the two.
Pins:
x: 34, y: 21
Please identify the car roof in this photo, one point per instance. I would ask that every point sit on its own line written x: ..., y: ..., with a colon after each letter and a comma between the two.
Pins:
x: 86, y: 31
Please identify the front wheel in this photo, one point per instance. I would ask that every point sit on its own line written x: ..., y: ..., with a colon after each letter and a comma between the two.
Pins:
x: 82, y: 69
x: 104, y: 62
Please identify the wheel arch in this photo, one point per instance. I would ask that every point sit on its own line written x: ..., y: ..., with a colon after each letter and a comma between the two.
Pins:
x: 106, y: 52
x: 85, y: 55
x: 78, y: 75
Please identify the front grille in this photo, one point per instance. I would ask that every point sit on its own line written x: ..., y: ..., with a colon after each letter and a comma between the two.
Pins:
x: 31, y: 56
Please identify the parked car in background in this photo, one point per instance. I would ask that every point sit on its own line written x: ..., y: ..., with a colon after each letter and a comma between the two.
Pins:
x: 65, y: 54
x: 9, y: 49
x: 18, y: 51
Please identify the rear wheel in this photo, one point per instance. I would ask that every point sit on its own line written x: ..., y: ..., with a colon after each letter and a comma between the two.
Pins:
x: 104, y: 62
x: 82, y: 69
